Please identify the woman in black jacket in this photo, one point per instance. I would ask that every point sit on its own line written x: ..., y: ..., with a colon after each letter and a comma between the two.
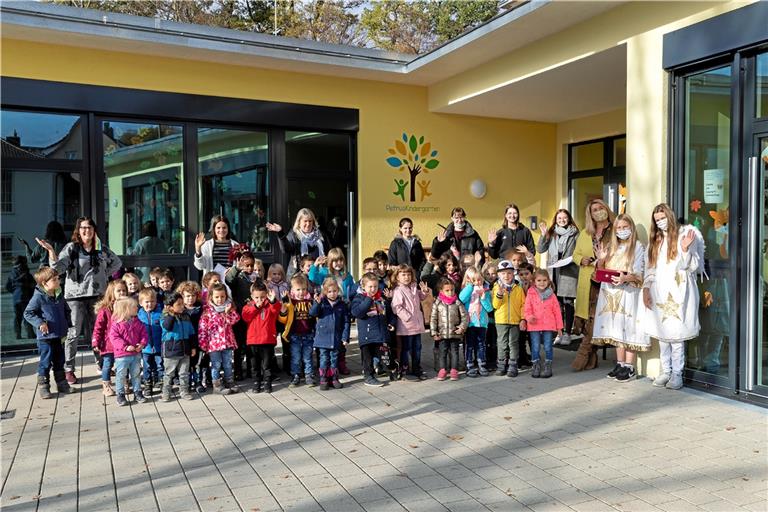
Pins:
x: 305, y: 238
x: 512, y: 235
x: 406, y: 248
x: 460, y: 238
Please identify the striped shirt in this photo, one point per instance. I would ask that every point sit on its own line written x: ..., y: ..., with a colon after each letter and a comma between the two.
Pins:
x: 221, y: 253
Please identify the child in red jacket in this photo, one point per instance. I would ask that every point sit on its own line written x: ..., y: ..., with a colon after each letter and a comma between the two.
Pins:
x: 544, y: 319
x: 260, y: 314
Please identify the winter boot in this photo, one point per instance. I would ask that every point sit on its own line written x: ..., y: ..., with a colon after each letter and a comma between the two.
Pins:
x: 121, y: 401
x: 547, y: 373
x: 311, y: 381
x: 675, y: 381
x: 662, y: 380
x: 512, y: 369
x: 324, y: 379
x: 149, y: 386
x: 536, y: 372
x: 501, y: 367
x: 107, y: 389
x: 166, y: 393
x: 268, y: 385
x: 257, y: 386
x: 335, y: 380
x: 185, y: 394
x: 343, y: 363
x: 62, y: 385
x: 219, y: 388
x: 481, y: 369
x: 44, y: 386
x: 230, y: 383
x: 471, y: 370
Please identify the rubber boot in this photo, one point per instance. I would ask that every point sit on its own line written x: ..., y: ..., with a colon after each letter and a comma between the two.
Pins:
x: 335, y: 379
x: 547, y: 373
x: 343, y: 363
x: 44, y: 386
x: 536, y: 371
x: 323, y: 379
x: 62, y: 385
x: 219, y: 388
x: 230, y: 384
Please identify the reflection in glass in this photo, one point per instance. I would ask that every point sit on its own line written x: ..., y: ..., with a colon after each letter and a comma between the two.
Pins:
x: 761, y: 81
x: 707, y: 191
x: 234, y: 182
x: 31, y: 135
x: 583, y: 190
x: 585, y: 157
x: 762, y: 343
x: 42, y: 205
x: 143, y: 187
x: 620, y: 152
x: 314, y: 152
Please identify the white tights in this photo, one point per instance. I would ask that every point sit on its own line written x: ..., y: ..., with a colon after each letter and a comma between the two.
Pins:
x: 672, y: 356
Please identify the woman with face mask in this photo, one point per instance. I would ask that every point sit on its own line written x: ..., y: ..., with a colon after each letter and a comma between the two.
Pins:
x: 558, y: 242
x: 460, y: 238
x: 620, y: 314
x: 671, y: 297
x: 597, y: 232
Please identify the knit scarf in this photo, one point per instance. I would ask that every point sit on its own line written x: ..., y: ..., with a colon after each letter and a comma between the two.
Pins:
x: 544, y: 295
x: 448, y: 300
x: 313, y: 239
x: 562, y: 240
x: 453, y: 276
x: 475, y: 308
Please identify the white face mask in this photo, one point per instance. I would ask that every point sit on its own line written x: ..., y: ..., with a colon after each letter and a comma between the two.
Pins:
x: 662, y: 224
x: 623, y: 234
x: 459, y: 226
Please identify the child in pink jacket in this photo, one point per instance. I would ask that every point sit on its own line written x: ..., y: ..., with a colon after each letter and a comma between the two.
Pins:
x: 406, y: 305
x: 129, y: 337
x: 544, y: 319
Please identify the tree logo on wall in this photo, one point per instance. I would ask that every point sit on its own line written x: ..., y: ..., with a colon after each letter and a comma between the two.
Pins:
x: 417, y: 157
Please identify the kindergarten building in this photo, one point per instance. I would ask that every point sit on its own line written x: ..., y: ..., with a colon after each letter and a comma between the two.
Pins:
x: 549, y: 105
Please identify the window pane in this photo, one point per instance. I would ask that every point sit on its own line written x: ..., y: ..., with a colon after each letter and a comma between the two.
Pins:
x: 42, y: 205
x: 620, y: 152
x: 707, y: 193
x: 234, y: 182
x: 761, y: 102
x: 585, y: 157
x: 313, y: 151
x: 144, y: 193
x: 31, y: 135
x: 583, y: 190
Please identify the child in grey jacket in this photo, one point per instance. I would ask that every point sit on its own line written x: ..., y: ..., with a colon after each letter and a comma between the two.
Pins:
x: 447, y: 325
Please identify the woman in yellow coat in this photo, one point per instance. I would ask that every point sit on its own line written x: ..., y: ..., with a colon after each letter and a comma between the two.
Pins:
x: 597, y: 232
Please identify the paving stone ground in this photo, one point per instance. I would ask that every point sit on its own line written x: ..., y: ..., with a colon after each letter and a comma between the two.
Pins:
x: 577, y: 441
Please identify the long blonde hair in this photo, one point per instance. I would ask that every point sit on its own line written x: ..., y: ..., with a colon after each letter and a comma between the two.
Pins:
x: 656, y: 237
x: 304, y: 212
x: 108, y: 300
x: 589, y: 223
x: 617, y: 260
x: 124, y: 309
x: 471, y: 273
x: 334, y: 255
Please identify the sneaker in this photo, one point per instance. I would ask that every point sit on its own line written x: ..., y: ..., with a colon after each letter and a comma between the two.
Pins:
x: 675, y: 381
x: 121, y: 401
x: 628, y: 373
x: 311, y: 381
x: 612, y: 374
x: 441, y: 375
x: 557, y: 339
x: 373, y: 382
x: 565, y: 339
x: 454, y: 374
x: 295, y: 381
x: 473, y: 372
x: 421, y: 374
x: 140, y: 398
x: 71, y: 378
x: 483, y: 372
x: 661, y: 380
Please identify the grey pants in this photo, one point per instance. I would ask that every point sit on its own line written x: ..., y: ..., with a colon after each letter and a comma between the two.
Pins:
x: 173, y: 365
x: 83, y: 317
x: 507, y: 336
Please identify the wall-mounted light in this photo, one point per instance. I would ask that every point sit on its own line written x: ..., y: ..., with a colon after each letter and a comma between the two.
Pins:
x: 533, y: 222
x: 478, y: 189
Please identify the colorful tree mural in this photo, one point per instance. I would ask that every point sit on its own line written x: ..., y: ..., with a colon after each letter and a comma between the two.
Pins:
x: 417, y: 156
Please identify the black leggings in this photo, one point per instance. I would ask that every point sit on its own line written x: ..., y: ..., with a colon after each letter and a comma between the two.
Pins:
x: 567, y: 310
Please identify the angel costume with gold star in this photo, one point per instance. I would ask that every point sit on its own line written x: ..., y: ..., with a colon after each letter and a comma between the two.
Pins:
x: 674, y: 316
x: 620, y: 312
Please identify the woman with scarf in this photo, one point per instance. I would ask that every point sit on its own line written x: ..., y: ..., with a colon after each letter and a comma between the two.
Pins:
x: 406, y: 248
x: 558, y: 242
x: 88, y: 266
x: 512, y: 235
x: 304, y: 239
x: 595, y: 237
x: 460, y: 238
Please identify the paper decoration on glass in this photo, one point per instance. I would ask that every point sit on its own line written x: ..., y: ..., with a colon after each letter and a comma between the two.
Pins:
x: 417, y: 157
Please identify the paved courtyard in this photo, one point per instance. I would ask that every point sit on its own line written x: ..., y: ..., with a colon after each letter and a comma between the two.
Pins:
x: 577, y: 441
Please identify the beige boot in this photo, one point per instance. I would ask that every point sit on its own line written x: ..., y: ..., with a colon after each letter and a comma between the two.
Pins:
x: 107, y: 389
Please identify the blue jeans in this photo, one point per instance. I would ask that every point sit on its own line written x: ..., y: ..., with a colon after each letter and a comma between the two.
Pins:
x: 329, y: 358
x: 153, y: 367
x: 222, y: 358
x: 51, y: 354
x: 107, y: 362
x: 475, y: 341
x: 410, y: 345
x: 539, y: 337
x: 128, y: 365
x: 301, y: 351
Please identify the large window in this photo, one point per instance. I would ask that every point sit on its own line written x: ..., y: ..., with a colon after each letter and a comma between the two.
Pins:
x: 597, y: 170
x: 143, y: 187
x: 35, y: 136
x: 234, y: 182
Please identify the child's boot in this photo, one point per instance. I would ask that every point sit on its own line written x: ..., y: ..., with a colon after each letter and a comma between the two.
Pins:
x: 547, y: 373
x: 230, y: 383
x: 268, y: 385
x: 149, y: 386
x: 512, y: 369
x: 501, y: 367
x: 324, y: 379
x: 219, y: 388
x: 454, y: 374
x: 311, y: 381
x: 203, y: 386
x: 335, y: 379
x: 140, y: 398
x: 662, y: 380
x: 343, y: 363
x: 257, y: 386
x: 481, y: 369
x: 166, y: 393
x: 44, y: 385
x: 62, y: 384
x: 471, y: 370
x: 675, y: 381
x: 441, y: 375
x: 121, y: 401
x: 107, y: 389
x: 184, y: 392
x: 536, y: 372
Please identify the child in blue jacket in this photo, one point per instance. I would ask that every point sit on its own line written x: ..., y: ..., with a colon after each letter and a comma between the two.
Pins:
x: 48, y: 313
x: 179, y: 343
x: 374, y: 321
x: 476, y: 297
x: 331, y: 331
x: 334, y: 265
x: 151, y: 314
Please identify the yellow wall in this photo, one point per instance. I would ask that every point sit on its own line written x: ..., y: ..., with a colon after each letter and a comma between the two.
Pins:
x: 513, y: 157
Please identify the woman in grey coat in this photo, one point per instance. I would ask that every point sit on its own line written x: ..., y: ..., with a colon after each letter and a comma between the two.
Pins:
x: 559, y: 241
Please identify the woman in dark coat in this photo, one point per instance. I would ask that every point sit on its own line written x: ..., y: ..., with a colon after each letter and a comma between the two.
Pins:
x: 304, y: 239
x: 406, y: 248
x: 512, y: 235
x: 460, y: 238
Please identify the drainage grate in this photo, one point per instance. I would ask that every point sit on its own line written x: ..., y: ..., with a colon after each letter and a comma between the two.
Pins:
x: 7, y: 415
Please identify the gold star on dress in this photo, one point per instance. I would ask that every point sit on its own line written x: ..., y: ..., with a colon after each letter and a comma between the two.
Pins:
x: 613, y: 303
x: 679, y: 278
x: 669, y: 309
